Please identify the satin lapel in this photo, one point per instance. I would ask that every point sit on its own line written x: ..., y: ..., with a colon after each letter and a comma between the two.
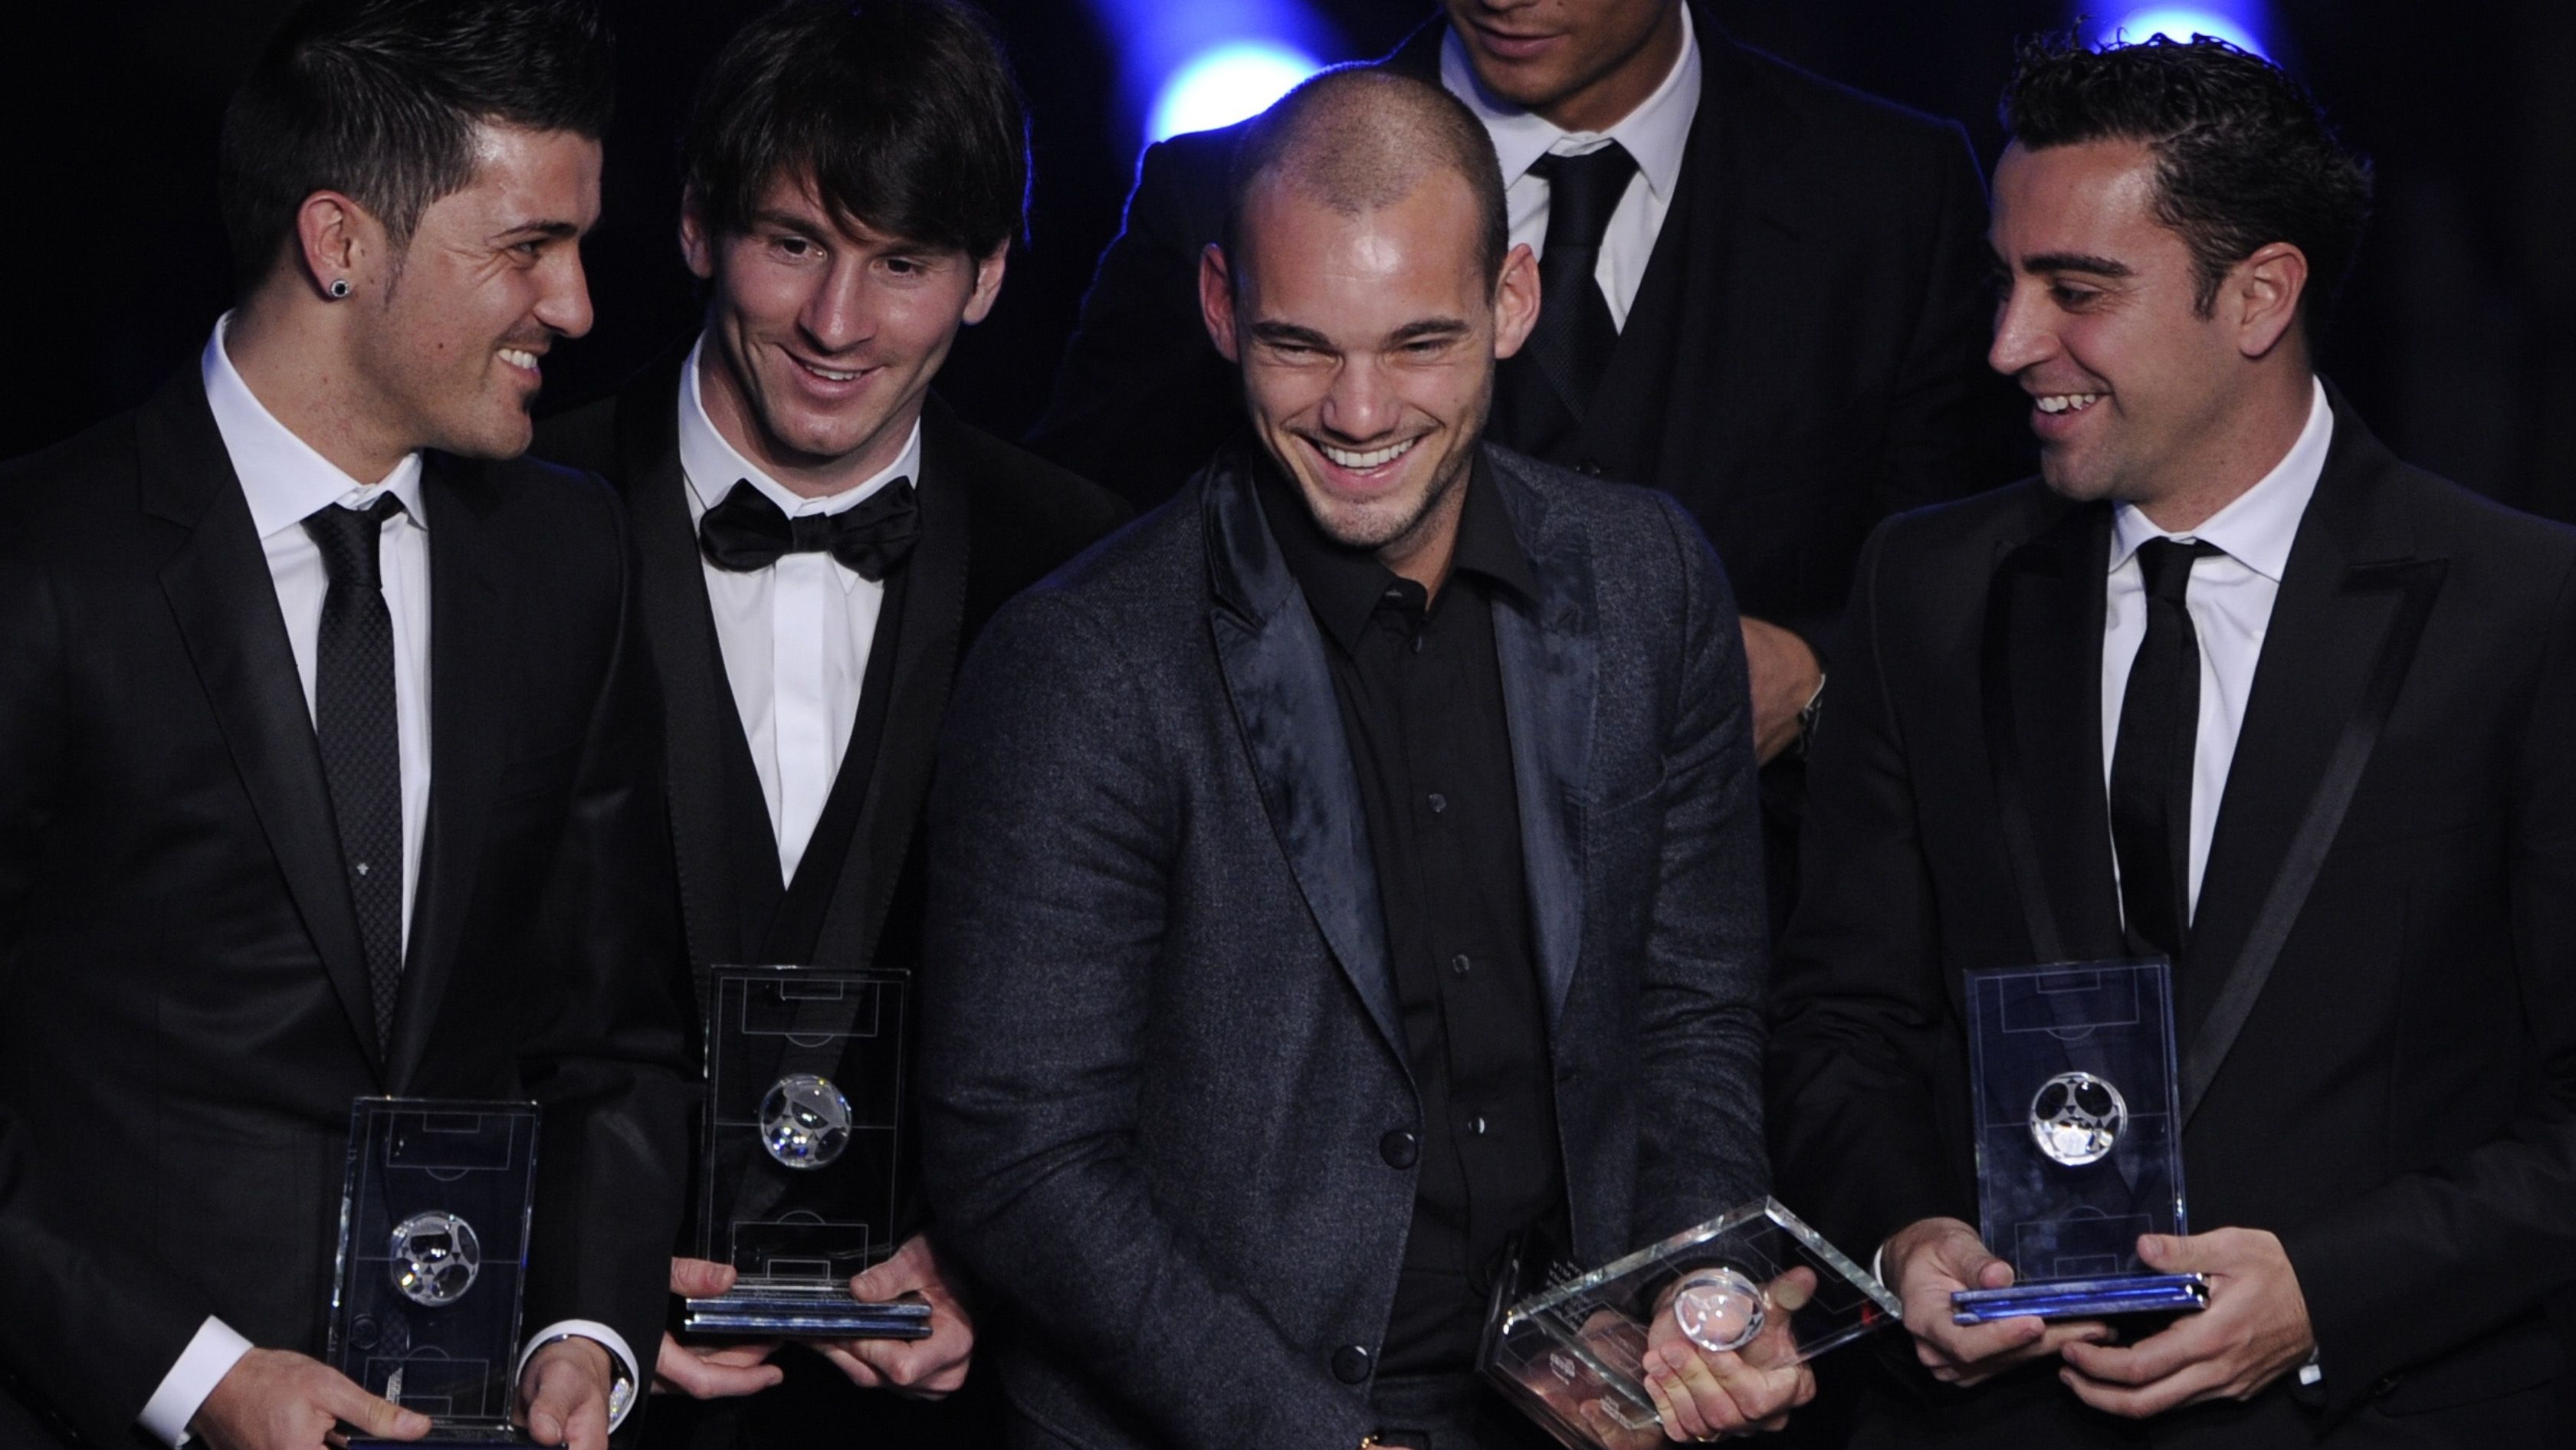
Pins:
x: 1272, y: 656
x: 469, y: 713
x: 2351, y: 608
x: 2041, y: 686
x: 1550, y: 664
x: 225, y: 605
x: 697, y: 708
x: 934, y: 619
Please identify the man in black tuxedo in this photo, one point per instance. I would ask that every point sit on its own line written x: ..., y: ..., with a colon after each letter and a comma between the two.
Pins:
x: 1763, y: 295
x: 329, y: 769
x: 821, y: 539
x: 1349, y: 868
x: 2232, y: 685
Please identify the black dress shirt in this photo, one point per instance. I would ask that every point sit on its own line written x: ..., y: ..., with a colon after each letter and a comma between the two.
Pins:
x: 1422, y: 706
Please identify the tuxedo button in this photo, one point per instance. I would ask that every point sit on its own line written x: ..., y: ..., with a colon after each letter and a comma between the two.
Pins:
x: 1460, y: 966
x: 1351, y: 1364
x: 1438, y: 802
x: 1399, y: 1149
x: 1476, y: 1126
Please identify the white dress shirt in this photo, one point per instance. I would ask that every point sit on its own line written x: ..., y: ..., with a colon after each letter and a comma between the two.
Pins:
x: 2230, y: 603
x: 1655, y: 133
x: 285, y: 480
x: 795, y: 636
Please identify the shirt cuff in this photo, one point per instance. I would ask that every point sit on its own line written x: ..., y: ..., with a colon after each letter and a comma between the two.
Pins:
x: 202, y: 1365
x: 607, y: 1339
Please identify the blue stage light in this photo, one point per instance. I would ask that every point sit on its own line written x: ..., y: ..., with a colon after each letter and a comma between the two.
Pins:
x: 2240, y: 25
x: 1223, y: 85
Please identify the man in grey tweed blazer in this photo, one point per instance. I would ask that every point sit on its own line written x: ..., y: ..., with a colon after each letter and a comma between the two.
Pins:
x: 1348, y: 868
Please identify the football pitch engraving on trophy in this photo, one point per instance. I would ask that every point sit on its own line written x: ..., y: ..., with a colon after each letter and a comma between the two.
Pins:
x: 2079, y: 1141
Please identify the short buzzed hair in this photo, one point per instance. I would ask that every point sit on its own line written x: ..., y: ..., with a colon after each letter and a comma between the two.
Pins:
x: 1358, y: 138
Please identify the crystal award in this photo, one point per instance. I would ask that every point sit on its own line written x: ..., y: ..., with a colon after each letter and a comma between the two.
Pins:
x: 801, y: 1173
x: 2079, y: 1143
x: 1568, y: 1346
x: 433, y: 1248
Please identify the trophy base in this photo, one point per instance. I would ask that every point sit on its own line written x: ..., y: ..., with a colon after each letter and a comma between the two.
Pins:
x: 827, y: 1312
x: 453, y: 1437
x: 2083, y: 1298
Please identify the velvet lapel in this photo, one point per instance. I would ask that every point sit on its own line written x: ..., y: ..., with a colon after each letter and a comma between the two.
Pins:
x: 2352, y: 605
x: 2040, y: 682
x: 225, y: 605
x: 1281, y: 687
x: 697, y: 711
x: 1549, y: 658
x: 469, y: 712
x: 934, y: 619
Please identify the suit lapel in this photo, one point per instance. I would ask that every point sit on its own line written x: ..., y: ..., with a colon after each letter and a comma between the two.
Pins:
x: 225, y: 606
x: 1549, y: 660
x: 2040, y: 683
x: 2352, y: 605
x: 469, y: 671
x: 1276, y: 677
x: 926, y: 642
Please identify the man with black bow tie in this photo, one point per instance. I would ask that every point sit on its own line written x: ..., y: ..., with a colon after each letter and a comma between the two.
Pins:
x: 821, y: 541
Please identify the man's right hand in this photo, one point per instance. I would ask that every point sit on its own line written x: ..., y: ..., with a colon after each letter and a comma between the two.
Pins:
x: 1927, y: 1262
x: 710, y: 1372
x: 273, y: 1400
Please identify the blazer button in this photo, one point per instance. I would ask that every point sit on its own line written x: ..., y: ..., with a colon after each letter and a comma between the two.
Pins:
x: 1399, y: 1149
x: 1351, y: 1364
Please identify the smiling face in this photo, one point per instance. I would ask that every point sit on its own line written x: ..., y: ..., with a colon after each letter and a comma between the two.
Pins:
x: 827, y: 334
x: 1367, y: 343
x: 2135, y: 395
x: 490, y: 278
x: 1582, y: 64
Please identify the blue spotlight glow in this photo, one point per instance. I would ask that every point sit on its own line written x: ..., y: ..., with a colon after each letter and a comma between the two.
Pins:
x: 2239, y: 25
x: 1224, y: 85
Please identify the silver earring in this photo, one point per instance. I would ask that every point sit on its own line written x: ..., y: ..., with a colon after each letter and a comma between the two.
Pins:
x: 339, y: 287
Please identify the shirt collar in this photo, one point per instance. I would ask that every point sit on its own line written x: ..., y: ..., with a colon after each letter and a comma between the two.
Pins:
x: 1655, y: 133
x: 1344, y: 586
x: 713, y: 465
x: 282, y: 477
x: 2257, y: 527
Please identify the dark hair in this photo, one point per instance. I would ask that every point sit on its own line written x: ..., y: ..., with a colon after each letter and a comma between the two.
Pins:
x: 2243, y: 156
x: 903, y: 112
x: 1357, y: 138
x: 379, y: 99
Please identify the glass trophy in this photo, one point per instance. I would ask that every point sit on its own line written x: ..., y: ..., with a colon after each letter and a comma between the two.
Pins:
x: 433, y: 1250
x: 805, y: 1078
x: 1568, y: 1346
x: 2079, y: 1141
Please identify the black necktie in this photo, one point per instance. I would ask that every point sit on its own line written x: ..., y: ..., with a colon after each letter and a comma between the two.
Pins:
x: 353, y: 717
x: 2151, y: 763
x: 747, y: 531
x: 1570, y: 346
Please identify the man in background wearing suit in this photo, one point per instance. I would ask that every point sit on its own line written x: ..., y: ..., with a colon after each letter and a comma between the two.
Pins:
x: 1349, y: 868
x: 1763, y: 295
x: 821, y: 538
x: 329, y: 768
x: 2228, y: 684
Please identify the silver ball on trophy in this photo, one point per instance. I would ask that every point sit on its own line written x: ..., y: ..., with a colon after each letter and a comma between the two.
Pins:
x: 805, y: 1121
x: 2076, y: 1117
x: 435, y: 1258
x: 1719, y: 1309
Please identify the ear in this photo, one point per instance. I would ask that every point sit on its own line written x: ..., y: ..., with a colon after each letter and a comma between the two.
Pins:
x: 337, y: 240
x: 1516, y: 301
x: 988, y: 284
x: 697, y: 245
x: 1216, y: 302
x: 2264, y: 290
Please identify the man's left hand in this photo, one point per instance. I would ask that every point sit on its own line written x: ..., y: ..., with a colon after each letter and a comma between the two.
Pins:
x: 925, y: 1369
x: 1785, y: 677
x: 2255, y: 1328
x: 565, y: 1394
x: 1704, y: 1396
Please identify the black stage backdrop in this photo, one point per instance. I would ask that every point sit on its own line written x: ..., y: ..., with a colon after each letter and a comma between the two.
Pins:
x: 2457, y: 338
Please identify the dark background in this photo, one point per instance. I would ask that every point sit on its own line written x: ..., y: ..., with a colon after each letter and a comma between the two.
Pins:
x: 2457, y: 339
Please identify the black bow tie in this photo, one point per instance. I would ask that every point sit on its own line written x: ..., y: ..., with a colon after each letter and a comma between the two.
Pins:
x: 747, y: 531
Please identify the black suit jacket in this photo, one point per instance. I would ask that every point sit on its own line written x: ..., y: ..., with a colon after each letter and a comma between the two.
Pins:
x: 184, y: 1009
x: 2377, y: 1004
x: 1805, y: 355
x: 1163, y: 1064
